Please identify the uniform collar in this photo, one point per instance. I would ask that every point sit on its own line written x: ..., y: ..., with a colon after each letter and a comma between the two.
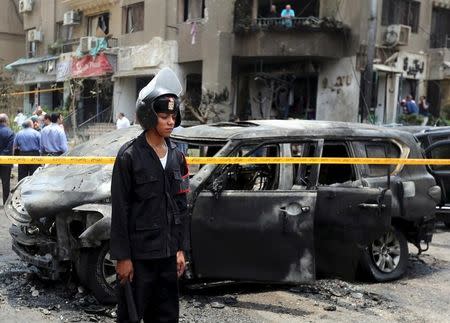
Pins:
x: 143, y: 141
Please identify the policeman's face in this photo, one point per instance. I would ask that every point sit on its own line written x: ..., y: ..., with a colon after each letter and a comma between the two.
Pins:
x: 166, y: 123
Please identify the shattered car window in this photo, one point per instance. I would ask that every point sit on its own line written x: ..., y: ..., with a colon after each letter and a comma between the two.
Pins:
x: 335, y: 173
x: 252, y: 177
x: 197, y: 150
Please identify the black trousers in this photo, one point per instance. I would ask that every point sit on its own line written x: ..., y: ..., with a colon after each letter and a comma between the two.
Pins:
x: 5, y: 176
x: 155, y: 290
x: 27, y: 170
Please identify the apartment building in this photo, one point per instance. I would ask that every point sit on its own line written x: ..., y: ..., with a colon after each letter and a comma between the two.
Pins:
x: 235, y: 55
x: 11, y: 32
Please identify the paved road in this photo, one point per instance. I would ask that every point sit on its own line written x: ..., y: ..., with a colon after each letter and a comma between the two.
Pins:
x: 423, y: 295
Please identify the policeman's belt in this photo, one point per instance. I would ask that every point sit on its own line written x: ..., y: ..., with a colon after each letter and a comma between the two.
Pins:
x: 68, y: 160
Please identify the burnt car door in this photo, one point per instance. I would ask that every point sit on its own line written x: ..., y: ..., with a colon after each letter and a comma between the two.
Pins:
x: 247, y: 223
x: 441, y: 150
x: 349, y: 214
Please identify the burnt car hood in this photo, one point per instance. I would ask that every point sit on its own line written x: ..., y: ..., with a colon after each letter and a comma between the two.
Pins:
x: 55, y: 188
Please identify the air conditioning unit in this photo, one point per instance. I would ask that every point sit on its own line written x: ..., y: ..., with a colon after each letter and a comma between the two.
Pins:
x: 35, y: 36
x: 25, y: 6
x: 71, y: 17
x: 397, y: 35
x: 87, y: 43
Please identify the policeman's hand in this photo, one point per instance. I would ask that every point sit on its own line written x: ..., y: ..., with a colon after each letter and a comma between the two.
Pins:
x: 124, y: 269
x: 181, y: 263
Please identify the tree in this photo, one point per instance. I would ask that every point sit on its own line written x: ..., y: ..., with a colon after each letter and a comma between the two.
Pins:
x: 211, y: 107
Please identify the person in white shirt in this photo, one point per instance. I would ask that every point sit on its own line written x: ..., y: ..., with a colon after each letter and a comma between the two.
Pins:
x: 122, y: 121
x: 20, y: 118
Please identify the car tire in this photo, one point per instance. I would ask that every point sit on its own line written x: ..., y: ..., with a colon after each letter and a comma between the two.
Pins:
x: 386, y: 258
x: 101, y: 274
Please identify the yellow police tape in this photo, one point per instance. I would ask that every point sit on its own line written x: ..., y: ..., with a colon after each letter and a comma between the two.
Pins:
x: 68, y: 160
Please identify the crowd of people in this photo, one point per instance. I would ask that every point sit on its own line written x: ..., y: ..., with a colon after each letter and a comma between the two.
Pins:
x: 41, y: 134
x: 410, y: 107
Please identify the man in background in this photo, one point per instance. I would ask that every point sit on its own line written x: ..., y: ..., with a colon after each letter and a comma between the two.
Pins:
x: 6, y: 145
x: 122, y: 121
x: 27, y: 143
x: 53, y: 138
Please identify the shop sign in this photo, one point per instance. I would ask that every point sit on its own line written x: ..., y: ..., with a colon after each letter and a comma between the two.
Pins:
x: 90, y: 66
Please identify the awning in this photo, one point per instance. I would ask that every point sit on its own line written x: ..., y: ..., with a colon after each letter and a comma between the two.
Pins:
x: 33, y: 60
x: 136, y: 73
x: 386, y: 68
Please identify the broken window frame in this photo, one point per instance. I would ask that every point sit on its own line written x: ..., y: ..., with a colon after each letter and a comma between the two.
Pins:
x: 405, y: 12
x: 234, y: 170
x: 134, y: 17
x: 337, y: 168
x: 373, y: 171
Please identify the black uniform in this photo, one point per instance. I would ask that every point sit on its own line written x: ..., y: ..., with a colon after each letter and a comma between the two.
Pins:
x: 149, y: 211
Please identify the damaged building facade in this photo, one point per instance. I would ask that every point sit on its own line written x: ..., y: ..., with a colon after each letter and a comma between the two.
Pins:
x: 235, y: 57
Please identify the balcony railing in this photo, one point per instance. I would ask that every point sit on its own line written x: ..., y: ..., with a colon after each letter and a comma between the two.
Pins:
x: 71, y: 45
x: 285, y: 24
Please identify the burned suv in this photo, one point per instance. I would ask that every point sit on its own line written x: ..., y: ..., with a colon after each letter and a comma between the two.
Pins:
x: 435, y: 142
x: 260, y: 222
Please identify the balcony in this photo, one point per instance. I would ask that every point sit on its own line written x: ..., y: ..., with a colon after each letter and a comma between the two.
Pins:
x: 71, y: 45
x: 299, y: 36
x: 90, y: 7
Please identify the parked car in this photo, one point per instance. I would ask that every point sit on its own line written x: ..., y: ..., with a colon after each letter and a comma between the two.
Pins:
x: 435, y: 142
x: 260, y: 222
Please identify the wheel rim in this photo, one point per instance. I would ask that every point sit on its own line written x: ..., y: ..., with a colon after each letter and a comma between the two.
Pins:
x: 109, y: 270
x: 386, y: 252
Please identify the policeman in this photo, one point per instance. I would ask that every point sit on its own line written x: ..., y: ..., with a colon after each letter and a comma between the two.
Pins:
x: 148, y: 192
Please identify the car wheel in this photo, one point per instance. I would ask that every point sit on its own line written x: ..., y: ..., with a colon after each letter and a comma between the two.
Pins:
x: 101, y: 274
x: 386, y: 258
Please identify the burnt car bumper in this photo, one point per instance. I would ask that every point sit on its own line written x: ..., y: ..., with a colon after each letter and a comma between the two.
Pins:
x: 37, y: 250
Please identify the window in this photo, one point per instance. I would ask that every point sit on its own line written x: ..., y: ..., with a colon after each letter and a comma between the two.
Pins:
x: 303, y: 174
x: 332, y: 173
x: 134, y: 18
x: 31, y: 47
x: 377, y: 149
x: 440, y: 28
x: 63, y: 33
x: 251, y: 177
x: 98, y: 25
x: 194, y: 9
x: 405, y: 12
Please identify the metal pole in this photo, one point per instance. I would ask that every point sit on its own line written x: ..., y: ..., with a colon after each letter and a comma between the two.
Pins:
x: 368, y: 73
x: 97, y: 101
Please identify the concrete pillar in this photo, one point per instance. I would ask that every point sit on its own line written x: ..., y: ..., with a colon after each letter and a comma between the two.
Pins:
x: 125, y: 97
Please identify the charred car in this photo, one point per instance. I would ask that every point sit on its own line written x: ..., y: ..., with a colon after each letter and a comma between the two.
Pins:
x: 435, y: 142
x: 260, y: 222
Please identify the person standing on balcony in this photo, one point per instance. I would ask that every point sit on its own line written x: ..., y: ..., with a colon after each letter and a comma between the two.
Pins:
x: 122, y: 121
x: 6, y: 145
x: 273, y: 12
x: 53, y: 138
x: 27, y: 143
x: 287, y: 14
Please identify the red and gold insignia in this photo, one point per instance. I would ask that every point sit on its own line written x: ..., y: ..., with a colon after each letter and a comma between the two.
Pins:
x: 171, y: 104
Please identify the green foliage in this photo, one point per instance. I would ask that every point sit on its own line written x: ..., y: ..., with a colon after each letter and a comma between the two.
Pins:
x: 411, y: 119
x: 445, y: 111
